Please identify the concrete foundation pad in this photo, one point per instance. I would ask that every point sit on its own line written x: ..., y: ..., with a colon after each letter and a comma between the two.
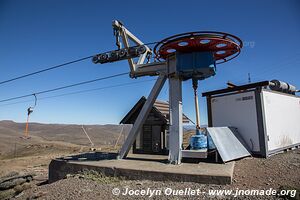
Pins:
x: 139, y: 167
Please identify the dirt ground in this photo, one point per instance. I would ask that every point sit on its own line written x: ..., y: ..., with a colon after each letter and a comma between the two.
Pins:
x: 281, y: 171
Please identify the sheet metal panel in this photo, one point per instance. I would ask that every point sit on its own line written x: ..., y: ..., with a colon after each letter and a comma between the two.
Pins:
x: 228, y: 143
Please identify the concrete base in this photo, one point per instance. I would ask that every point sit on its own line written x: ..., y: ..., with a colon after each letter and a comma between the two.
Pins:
x: 139, y: 167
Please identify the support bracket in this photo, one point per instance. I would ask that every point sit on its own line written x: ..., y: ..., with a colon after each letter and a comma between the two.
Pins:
x: 127, y: 36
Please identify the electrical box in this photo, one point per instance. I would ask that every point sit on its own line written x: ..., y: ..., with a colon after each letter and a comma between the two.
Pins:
x: 199, y: 65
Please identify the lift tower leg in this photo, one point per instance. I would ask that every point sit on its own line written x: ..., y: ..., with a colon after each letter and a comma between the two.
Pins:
x: 142, y: 116
x: 176, y: 129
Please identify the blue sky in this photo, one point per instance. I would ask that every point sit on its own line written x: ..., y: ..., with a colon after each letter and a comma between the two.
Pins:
x: 36, y: 34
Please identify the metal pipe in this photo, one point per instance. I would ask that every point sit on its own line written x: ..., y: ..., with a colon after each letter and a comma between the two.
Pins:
x: 282, y: 87
x: 195, y: 86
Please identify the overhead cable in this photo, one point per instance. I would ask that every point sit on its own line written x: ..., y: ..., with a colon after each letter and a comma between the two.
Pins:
x: 64, y: 87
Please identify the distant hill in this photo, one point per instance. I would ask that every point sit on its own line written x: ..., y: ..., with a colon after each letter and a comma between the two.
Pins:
x: 63, y: 136
x: 101, y: 135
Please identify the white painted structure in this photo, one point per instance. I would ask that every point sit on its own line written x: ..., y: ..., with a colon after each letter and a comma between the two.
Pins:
x: 282, y: 119
x: 268, y: 121
x: 232, y: 111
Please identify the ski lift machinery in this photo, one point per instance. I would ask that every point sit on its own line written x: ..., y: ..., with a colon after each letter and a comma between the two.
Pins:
x: 192, y: 55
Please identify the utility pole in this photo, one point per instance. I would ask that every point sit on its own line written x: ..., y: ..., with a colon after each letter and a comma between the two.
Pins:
x: 15, y: 150
x: 92, y: 144
x: 120, y: 134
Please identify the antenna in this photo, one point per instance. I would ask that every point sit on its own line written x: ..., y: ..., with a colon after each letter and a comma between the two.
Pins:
x: 249, y: 78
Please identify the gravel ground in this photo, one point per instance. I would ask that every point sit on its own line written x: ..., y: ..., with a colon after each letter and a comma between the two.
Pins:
x: 277, y: 172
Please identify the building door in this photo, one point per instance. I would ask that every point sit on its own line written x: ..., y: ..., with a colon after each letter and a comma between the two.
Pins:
x: 147, y: 138
x: 156, y: 139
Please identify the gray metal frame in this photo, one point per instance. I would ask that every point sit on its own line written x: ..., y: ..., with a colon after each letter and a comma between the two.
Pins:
x: 176, y: 129
x: 263, y: 143
x: 139, y: 68
x: 165, y: 70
